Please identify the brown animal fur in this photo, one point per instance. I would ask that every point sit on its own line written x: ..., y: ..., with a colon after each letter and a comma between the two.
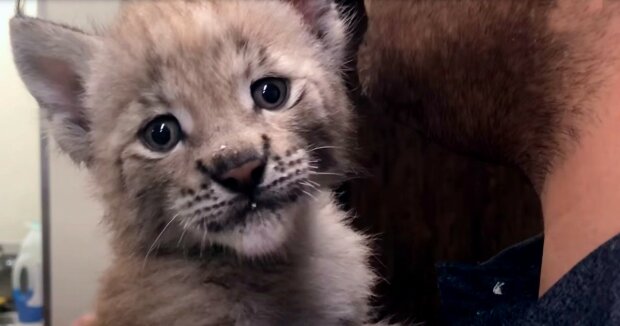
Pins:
x: 509, y: 80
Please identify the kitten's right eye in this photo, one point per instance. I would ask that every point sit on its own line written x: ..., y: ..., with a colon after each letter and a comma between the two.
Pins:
x: 269, y: 93
x: 162, y: 133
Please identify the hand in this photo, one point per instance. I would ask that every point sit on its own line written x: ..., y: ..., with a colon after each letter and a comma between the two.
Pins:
x: 85, y: 320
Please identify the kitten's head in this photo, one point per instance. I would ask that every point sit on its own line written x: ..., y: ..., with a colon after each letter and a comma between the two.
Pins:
x: 203, y: 122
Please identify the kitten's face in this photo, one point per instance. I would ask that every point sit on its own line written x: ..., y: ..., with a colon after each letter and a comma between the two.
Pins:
x: 214, y: 122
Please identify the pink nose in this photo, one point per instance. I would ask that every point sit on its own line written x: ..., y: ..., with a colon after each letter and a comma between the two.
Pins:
x: 244, y: 178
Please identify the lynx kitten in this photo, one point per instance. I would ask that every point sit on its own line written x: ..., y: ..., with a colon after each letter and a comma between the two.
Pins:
x: 212, y: 129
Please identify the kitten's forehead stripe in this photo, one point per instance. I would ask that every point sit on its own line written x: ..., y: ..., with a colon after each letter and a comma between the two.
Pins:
x: 161, y: 100
x: 241, y: 42
x: 262, y: 56
x: 151, y: 100
x: 217, y: 48
x: 145, y: 101
x: 153, y: 68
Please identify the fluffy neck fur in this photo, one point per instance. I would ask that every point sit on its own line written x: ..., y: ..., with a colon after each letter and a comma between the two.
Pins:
x: 321, y: 278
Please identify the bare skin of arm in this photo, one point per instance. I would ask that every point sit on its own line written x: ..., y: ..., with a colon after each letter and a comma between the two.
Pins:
x: 86, y: 320
x: 581, y: 195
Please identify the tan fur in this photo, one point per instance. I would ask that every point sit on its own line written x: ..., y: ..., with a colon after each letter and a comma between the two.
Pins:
x: 293, y: 261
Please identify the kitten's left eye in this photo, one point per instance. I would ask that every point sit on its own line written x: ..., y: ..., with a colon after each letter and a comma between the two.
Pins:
x: 269, y: 93
x: 162, y: 133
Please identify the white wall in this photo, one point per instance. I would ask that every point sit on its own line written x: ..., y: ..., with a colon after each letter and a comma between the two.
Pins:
x: 20, y: 194
x: 79, y: 251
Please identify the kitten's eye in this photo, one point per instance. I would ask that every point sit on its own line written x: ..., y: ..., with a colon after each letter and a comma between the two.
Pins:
x: 162, y: 133
x: 269, y: 93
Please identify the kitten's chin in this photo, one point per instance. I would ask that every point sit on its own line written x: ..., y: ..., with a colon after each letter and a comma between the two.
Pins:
x: 266, y: 233
x: 256, y: 241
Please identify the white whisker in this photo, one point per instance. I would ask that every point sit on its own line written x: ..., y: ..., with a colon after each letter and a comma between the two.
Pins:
x: 204, y: 236
x: 309, y: 194
x: 309, y: 186
x: 314, y: 183
x: 157, y: 239
x: 327, y: 173
x: 182, y: 235
x: 322, y: 147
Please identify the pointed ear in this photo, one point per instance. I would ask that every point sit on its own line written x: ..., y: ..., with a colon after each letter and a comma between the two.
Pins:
x: 52, y: 60
x: 326, y: 22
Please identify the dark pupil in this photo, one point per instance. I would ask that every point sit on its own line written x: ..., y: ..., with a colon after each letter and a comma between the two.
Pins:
x: 161, y: 134
x: 271, y: 93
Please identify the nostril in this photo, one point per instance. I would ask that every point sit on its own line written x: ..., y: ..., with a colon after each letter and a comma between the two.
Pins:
x: 243, y: 178
x: 257, y: 174
x: 231, y: 183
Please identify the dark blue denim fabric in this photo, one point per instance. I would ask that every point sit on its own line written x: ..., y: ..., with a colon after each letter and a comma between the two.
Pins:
x: 504, y: 290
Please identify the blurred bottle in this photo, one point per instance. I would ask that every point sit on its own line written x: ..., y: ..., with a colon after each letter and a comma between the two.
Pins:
x: 28, y: 278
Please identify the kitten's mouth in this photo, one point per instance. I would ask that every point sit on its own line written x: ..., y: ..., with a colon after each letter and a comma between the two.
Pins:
x: 246, y: 209
x: 254, y: 220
